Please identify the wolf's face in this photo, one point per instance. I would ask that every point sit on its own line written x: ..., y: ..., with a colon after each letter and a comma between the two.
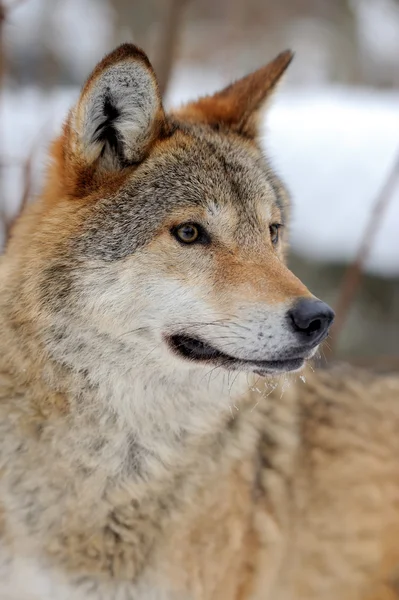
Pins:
x: 167, y: 233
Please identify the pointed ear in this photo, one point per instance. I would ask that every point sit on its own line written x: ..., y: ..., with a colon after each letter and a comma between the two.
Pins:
x: 240, y: 105
x: 119, y: 113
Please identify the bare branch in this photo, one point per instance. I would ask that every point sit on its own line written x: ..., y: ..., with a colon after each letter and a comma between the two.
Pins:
x: 353, y: 275
x: 5, y: 219
x: 168, y: 43
x: 26, y: 194
x: 3, y: 216
x: 3, y: 16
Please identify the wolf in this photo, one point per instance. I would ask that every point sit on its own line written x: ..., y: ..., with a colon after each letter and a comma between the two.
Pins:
x: 150, y: 448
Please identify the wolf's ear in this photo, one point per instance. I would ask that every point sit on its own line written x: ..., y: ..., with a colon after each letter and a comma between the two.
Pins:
x: 240, y: 105
x: 119, y: 113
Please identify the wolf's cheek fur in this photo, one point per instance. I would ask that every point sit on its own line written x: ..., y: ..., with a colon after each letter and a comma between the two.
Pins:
x: 237, y: 305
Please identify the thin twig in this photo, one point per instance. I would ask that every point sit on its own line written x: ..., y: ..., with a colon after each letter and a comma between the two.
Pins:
x: 168, y: 43
x: 26, y: 165
x: 3, y: 216
x: 3, y: 17
x: 26, y: 194
x: 5, y: 10
x: 353, y: 275
x: 233, y: 36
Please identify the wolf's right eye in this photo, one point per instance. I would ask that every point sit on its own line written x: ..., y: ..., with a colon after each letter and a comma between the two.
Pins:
x: 275, y: 233
x: 190, y: 233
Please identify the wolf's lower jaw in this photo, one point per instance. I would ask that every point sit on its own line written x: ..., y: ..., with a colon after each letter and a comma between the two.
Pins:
x: 198, y: 350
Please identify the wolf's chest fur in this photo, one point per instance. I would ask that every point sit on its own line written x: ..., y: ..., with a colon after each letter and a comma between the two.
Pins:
x: 253, y: 512
x: 115, y: 523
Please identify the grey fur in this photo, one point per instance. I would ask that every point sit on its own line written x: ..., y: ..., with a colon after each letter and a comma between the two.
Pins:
x: 215, y: 170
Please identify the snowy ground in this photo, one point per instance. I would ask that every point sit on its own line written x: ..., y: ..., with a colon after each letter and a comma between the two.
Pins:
x: 333, y: 146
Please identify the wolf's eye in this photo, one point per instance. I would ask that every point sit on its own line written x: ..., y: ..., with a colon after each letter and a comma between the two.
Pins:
x: 275, y: 233
x: 189, y: 233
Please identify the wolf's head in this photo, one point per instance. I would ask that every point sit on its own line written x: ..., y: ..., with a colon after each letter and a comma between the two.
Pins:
x: 161, y: 237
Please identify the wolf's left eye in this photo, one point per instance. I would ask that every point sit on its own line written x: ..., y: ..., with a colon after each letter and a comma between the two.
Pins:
x: 190, y: 233
x: 275, y: 232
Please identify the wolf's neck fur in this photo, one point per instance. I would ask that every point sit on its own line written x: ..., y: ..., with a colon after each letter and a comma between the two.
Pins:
x: 109, y: 403
x: 161, y: 416
x: 103, y: 438
x: 129, y: 414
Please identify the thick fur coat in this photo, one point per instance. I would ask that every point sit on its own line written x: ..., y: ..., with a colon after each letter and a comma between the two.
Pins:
x: 152, y: 446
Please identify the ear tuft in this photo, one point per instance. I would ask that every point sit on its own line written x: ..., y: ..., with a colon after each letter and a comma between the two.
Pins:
x: 119, y: 113
x: 240, y: 105
x: 106, y: 131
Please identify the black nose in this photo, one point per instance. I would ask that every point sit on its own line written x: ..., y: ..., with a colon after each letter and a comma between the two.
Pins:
x: 311, y: 318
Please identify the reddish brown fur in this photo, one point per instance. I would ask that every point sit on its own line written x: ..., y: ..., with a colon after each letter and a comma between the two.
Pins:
x: 237, y: 106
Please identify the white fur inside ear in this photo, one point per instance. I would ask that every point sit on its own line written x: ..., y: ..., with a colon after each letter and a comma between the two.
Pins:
x: 117, y: 114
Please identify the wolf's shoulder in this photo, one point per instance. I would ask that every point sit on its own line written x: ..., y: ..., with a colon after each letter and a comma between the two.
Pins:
x: 343, y: 388
x: 351, y: 414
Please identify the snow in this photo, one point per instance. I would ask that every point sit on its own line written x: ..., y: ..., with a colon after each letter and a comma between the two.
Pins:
x: 333, y: 147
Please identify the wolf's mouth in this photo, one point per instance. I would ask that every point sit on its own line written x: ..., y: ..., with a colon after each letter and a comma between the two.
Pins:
x: 197, y: 350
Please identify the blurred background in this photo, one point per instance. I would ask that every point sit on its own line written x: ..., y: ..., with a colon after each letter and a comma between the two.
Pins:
x: 332, y: 131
